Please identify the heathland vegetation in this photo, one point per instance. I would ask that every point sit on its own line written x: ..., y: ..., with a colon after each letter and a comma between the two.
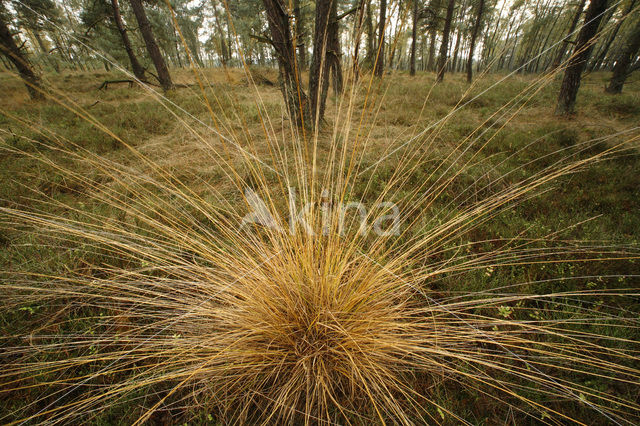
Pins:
x: 319, y: 212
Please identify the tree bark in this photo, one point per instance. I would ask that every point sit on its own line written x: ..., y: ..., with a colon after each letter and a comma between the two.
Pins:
x: 289, y: 75
x: 580, y: 57
x: 572, y: 28
x: 414, y: 35
x: 623, y: 63
x: 379, y: 66
x: 138, y: 71
x: 299, y: 28
x: 334, y: 51
x: 371, y: 54
x: 9, y: 48
x: 442, y: 59
x: 474, y: 36
x: 152, y: 47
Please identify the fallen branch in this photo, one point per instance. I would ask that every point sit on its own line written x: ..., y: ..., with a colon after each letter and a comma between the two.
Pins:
x: 105, y: 84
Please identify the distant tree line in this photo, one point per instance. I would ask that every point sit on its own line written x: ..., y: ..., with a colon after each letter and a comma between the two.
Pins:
x: 330, y: 38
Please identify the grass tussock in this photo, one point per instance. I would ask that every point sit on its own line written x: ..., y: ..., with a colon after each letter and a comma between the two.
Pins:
x: 136, y: 292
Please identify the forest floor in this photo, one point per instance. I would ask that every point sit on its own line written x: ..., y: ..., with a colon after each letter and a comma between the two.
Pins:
x: 400, y: 106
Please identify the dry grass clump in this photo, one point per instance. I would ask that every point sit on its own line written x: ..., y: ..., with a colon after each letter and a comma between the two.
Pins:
x: 272, y: 326
x: 146, y: 294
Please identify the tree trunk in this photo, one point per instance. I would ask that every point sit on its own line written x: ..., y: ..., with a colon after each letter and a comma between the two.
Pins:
x: 152, y: 47
x: 44, y: 48
x: 138, y: 71
x: 318, y: 72
x: 474, y: 36
x: 501, y: 62
x: 229, y: 35
x: 371, y: 44
x: 488, y: 48
x: 299, y: 29
x: 435, y: 6
x: 176, y: 47
x: 442, y: 59
x: 605, y: 49
x: 414, y: 34
x: 455, y: 52
x: 580, y: 57
x: 334, y: 51
x: 289, y: 75
x: 542, y: 47
x: 224, y: 54
x: 9, y: 48
x: 530, y: 39
x: 423, y: 52
x: 623, y: 63
x: 59, y: 47
x: 379, y: 66
x: 356, y: 37
x: 572, y: 28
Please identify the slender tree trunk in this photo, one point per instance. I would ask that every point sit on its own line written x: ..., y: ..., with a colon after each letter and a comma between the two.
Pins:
x: 334, y: 51
x: 423, y: 52
x: 229, y: 36
x: 60, y: 48
x: 605, y: 49
x: 393, y: 44
x: 512, y: 54
x: 44, y: 48
x: 299, y: 29
x: 194, y: 45
x: 318, y: 72
x: 152, y: 46
x: 580, y: 57
x: 489, y: 47
x: 414, y: 35
x: 474, y: 36
x: 462, y: 65
x: 433, y: 29
x: 563, y: 47
x: 623, y: 63
x: 442, y: 59
x: 176, y: 47
x: 379, y: 66
x: 529, y: 41
x: 597, y: 49
x: 357, y: 37
x: 542, y: 47
x: 455, y: 52
x: 505, y: 50
x: 224, y: 54
x: 371, y: 53
x: 138, y: 71
x: 9, y: 48
x: 289, y: 75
